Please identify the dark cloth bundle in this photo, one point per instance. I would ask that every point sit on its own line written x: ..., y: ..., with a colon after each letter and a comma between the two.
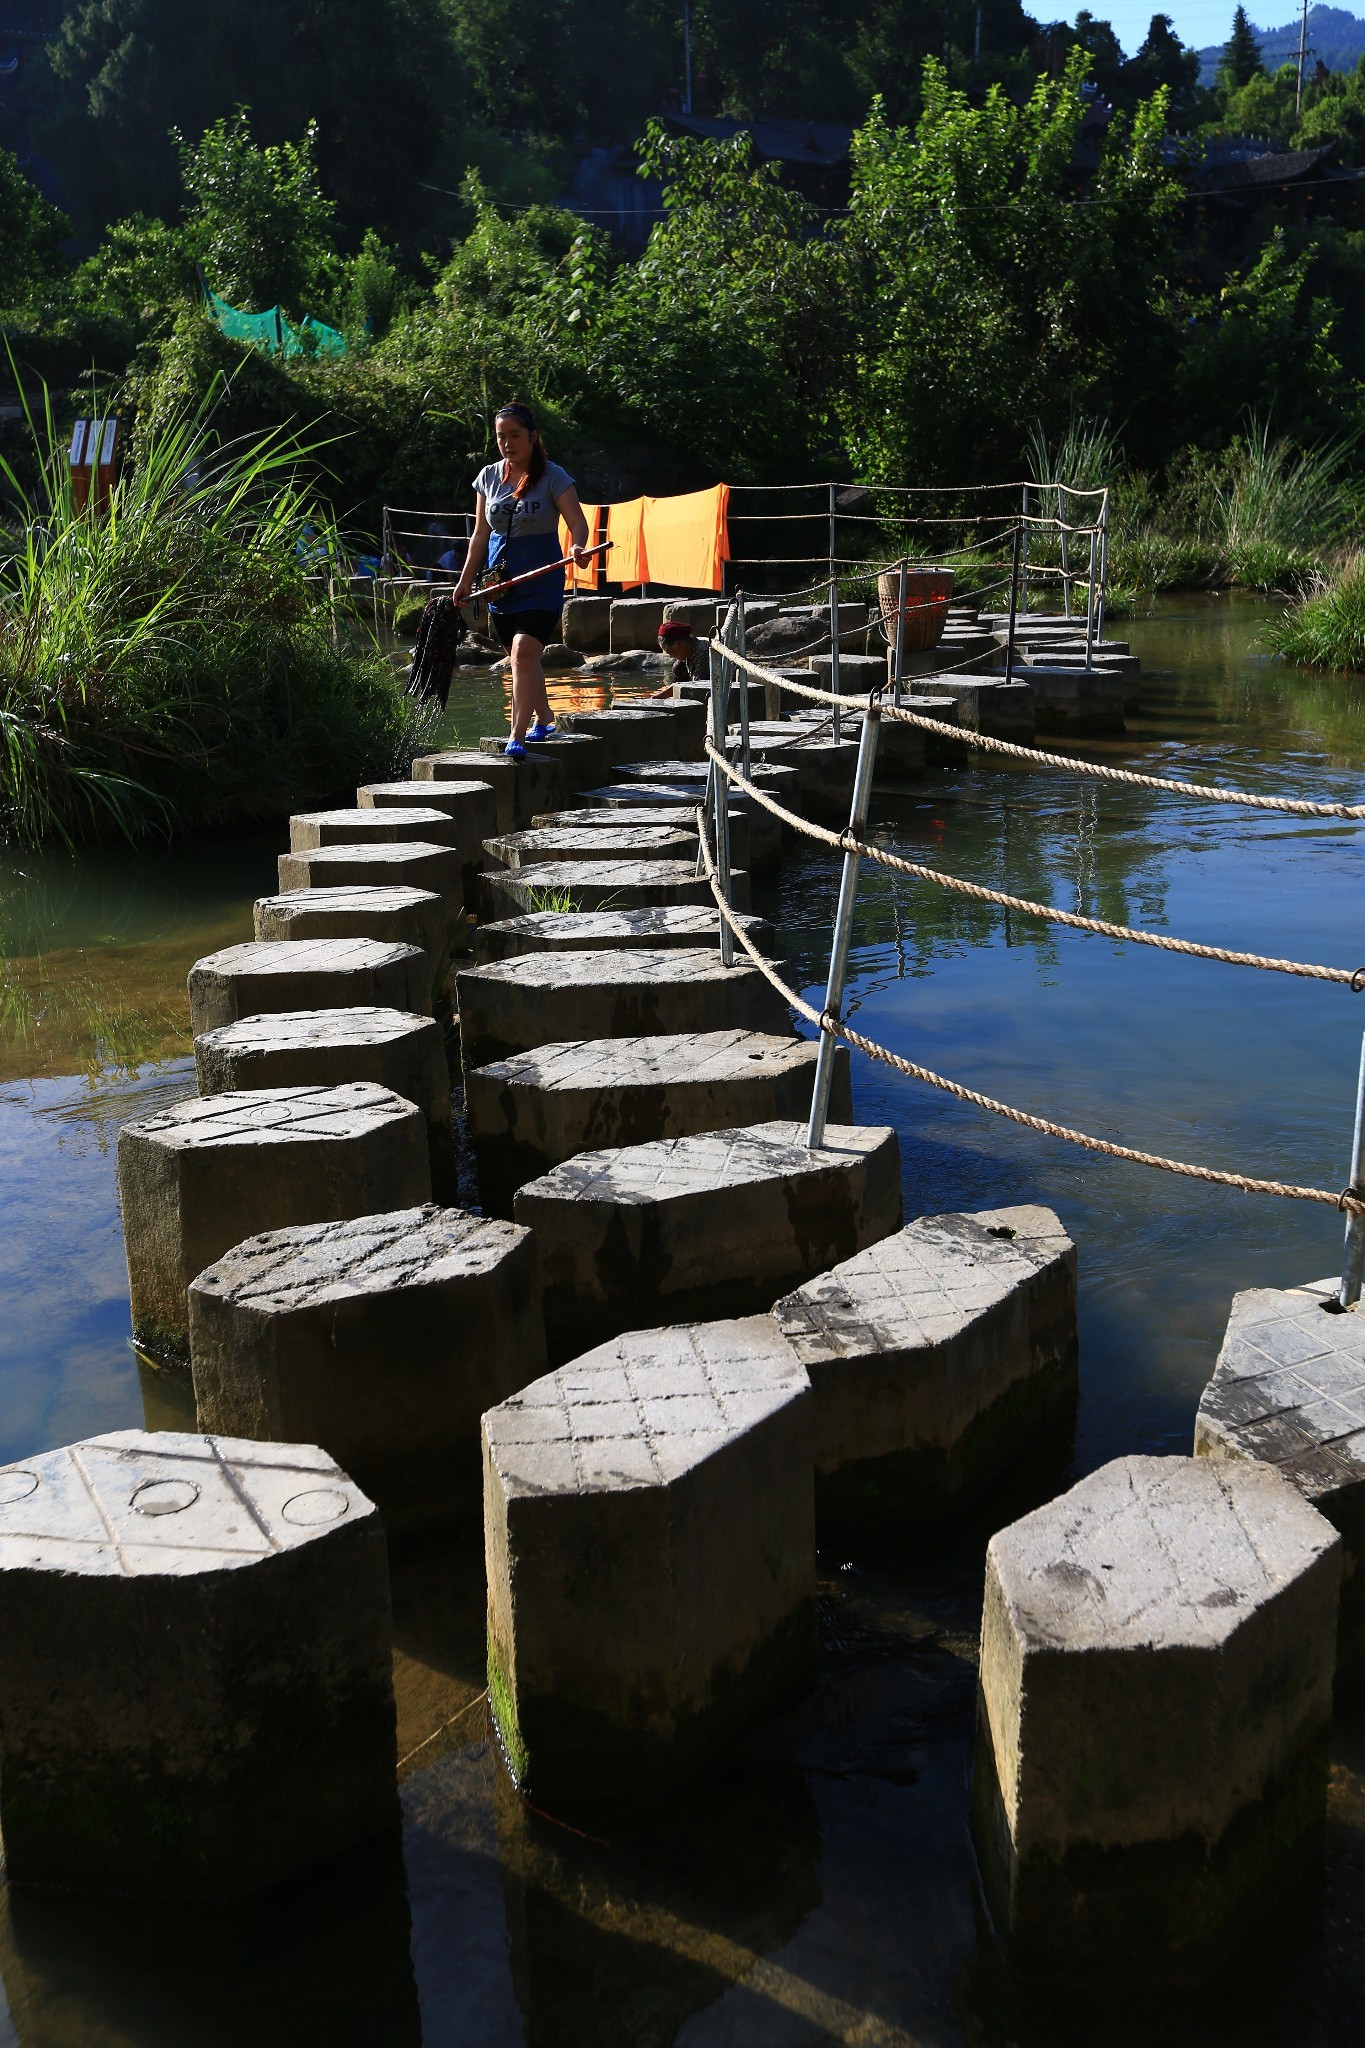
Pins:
x: 440, y: 630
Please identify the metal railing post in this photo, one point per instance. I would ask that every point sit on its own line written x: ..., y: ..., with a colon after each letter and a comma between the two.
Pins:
x: 1353, y: 1258
x: 1014, y: 607
x: 1066, y: 559
x: 1104, y: 562
x: 1023, y: 568
x: 1090, y: 604
x: 843, y: 927
x: 899, y: 668
x: 834, y: 616
x: 721, y: 801
x: 741, y: 644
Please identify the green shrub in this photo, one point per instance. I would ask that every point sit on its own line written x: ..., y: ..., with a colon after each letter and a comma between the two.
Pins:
x: 1325, y: 628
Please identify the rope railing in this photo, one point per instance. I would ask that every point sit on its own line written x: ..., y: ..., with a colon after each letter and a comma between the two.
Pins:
x: 1297, y: 807
x: 846, y: 842
x: 1345, y: 1201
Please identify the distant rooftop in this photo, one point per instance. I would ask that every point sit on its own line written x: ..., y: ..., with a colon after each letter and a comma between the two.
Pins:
x: 821, y: 144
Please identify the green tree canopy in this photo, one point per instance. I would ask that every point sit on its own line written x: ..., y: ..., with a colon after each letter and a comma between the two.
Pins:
x: 31, y: 232
x: 257, y: 219
x: 1241, y: 58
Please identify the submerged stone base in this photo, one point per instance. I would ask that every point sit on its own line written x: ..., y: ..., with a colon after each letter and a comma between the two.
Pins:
x: 530, y: 1113
x: 383, y: 1338
x: 717, y: 1225
x: 938, y: 1357
x: 650, y: 1550
x: 1155, y: 1701
x: 1289, y: 1391
x: 196, y: 1696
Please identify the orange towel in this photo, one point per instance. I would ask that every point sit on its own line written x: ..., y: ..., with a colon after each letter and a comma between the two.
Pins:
x: 585, y: 575
x: 686, y: 539
x: 627, y: 563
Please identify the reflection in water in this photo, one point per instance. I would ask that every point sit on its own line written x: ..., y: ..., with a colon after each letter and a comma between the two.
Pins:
x: 822, y: 1888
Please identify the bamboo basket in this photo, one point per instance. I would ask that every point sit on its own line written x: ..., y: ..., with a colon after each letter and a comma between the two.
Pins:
x: 928, y: 594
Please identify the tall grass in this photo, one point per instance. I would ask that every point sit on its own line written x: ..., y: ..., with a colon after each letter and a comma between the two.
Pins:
x: 1326, y: 627
x: 165, y: 664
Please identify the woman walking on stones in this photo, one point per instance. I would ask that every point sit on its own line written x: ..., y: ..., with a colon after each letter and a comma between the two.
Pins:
x: 520, y: 502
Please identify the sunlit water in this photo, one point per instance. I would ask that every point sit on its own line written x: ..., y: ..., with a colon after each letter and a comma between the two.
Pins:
x: 821, y: 1888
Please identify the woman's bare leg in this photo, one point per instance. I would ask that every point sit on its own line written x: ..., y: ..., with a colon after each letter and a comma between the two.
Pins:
x: 528, y: 683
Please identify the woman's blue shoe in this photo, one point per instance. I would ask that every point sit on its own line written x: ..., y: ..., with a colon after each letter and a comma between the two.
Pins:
x: 540, y: 731
x: 515, y: 750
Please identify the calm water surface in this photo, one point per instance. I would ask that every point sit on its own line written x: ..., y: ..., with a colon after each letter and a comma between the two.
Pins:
x: 820, y: 1890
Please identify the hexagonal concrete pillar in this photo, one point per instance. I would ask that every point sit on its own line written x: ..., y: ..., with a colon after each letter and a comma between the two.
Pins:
x: 511, y: 1006
x: 650, y: 1544
x: 395, y: 917
x: 538, y: 846
x: 382, y: 1338
x: 716, y: 1225
x: 306, y: 974
x: 521, y: 788
x: 1155, y: 1700
x: 408, y: 826
x: 664, y: 924
x: 323, y: 1048
x: 195, y: 1666
x: 416, y: 864
x: 471, y: 808
x: 198, y: 1178
x: 528, y: 1114
x: 678, y: 817
x: 1289, y: 1390
x: 577, y: 885
x: 937, y: 1358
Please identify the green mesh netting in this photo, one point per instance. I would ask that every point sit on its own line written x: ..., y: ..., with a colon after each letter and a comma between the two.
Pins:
x: 273, y: 332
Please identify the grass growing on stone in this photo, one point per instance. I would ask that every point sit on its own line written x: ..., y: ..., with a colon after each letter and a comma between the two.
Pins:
x: 167, y: 664
x: 561, y: 901
x: 1325, y: 628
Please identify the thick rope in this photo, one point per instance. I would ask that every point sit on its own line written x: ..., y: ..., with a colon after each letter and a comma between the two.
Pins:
x: 825, y: 1021
x: 1297, y: 807
x: 844, y: 842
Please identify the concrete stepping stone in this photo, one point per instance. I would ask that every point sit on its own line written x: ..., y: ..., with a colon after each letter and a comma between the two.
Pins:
x: 582, y: 758
x: 384, y: 1338
x: 587, y: 624
x: 773, y: 777
x: 601, y: 885
x: 306, y: 974
x: 1126, y: 667
x: 520, y: 788
x: 1289, y: 1391
x: 547, y: 931
x: 937, y: 1358
x: 324, y: 1048
x: 988, y: 704
x: 1076, y: 700
x: 196, y: 1695
x: 393, y: 917
x: 859, y: 674
x: 1153, y: 1716
x: 650, y: 1544
x: 539, y: 844
x: 419, y: 864
x: 529, y: 1113
x: 634, y: 624
x: 512, y: 1006
x: 719, y: 1224
x: 470, y: 807
x: 825, y: 767
x: 902, y: 750
x: 660, y: 733
x: 678, y: 820
x: 413, y: 824
x: 760, y: 844
x: 199, y: 1177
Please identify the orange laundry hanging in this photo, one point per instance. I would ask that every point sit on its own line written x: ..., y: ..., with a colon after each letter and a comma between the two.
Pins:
x: 585, y: 575
x: 686, y: 539
x: 627, y: 564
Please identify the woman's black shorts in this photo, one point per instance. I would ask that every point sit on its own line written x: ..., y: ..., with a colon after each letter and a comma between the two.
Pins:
x: 542, y: 626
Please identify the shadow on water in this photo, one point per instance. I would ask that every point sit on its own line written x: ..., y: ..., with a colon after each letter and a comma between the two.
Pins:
x: 820, y: 1888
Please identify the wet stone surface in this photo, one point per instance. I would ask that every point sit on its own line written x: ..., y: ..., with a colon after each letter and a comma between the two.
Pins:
x: 306, y: 974
x: 1157, y: 1651
x: 717, y: 1224
x: 651, y: 1554
x: 511, y: 1006
x: 937, y: 1358
x: 687, y: 925
x: 1289, y: 1391
x: 529, y: 1113
x: 212, y: 1617
x: 383, y: 1338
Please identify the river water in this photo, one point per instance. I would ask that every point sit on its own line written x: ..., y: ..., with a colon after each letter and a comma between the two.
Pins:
x: 821, y: 1888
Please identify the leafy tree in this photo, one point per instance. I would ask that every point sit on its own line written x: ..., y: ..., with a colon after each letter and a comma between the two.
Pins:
x: 257, y: 219
x: 31, y: 232
x: 1263, y: 106
x: 1163, y: 60
x: 1104, y: 50
x: 1334, y: 111
x: 1263, y: 343
x: 1241, y: 58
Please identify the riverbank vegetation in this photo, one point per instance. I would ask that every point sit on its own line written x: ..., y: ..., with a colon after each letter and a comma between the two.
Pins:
x: 167, y: 664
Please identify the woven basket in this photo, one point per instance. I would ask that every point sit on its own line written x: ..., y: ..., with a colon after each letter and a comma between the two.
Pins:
x: 928, y: 593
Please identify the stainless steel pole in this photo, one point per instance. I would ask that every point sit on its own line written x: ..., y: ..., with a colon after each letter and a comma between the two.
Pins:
x: 741, y: 643
x: 834, y: 616
x: 1023, y: 572
x: 1104, y: 564
x: 722, y: 806
x: 1014, y: 609
x: 843, y: 927
x: 1353, y: 1259
x: 899, y: 668
x: 1066, y: 560
x: 1090, y: 603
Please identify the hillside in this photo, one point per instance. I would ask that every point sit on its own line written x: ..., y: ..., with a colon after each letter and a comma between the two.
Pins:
x: 1335, y: 36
